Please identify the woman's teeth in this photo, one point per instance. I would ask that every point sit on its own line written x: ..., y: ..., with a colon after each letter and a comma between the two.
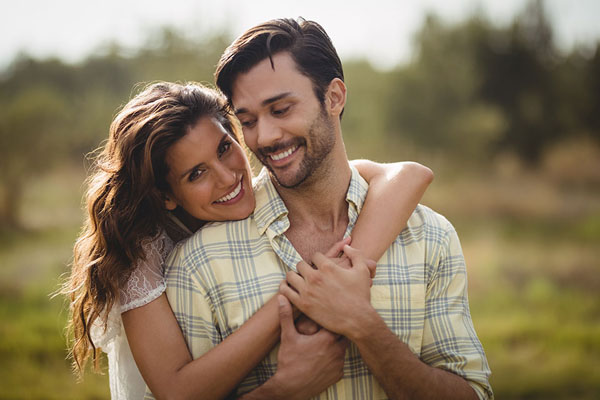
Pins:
x: 231, y: 195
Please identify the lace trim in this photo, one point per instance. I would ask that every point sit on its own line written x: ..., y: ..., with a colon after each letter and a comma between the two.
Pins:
x: 145, y: 285
x: 147, y: 279
x: 150, y: 296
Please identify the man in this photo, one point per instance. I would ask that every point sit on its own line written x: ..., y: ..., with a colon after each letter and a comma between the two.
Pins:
x: 411, y: 333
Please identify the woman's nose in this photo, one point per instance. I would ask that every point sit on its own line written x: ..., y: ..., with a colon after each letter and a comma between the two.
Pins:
x: 225, y: 175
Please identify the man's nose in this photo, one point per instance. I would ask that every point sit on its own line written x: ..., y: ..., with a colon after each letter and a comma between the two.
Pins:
x: 268, y: 133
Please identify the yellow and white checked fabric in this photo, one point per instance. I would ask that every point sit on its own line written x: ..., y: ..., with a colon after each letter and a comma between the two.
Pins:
x: 225, y: 272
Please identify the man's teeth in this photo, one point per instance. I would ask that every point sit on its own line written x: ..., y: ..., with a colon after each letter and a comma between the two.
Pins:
x: 277, y: 157
x: 231, y: 195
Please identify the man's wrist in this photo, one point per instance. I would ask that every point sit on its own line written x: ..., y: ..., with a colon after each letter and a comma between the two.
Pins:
x: 271, y: 389
x: 363, y: 324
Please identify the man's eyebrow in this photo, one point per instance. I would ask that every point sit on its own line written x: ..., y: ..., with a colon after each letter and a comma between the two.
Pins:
x: 266, y: 102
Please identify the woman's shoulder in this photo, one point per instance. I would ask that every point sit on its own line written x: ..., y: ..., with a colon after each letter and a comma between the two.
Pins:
x: 147, y: 282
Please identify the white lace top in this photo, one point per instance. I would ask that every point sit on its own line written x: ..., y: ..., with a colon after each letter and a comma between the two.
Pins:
x: 145, y: 284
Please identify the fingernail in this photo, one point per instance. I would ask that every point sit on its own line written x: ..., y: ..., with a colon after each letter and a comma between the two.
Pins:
x: 281, y: 300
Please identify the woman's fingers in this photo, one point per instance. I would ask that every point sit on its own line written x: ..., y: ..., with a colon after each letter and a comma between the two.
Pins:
x: 337, y: 248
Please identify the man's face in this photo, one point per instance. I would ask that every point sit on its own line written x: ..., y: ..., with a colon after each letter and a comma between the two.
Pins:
x: 283, y: 122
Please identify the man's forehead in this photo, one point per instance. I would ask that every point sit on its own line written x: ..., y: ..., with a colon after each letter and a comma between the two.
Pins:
x: 265, y: 83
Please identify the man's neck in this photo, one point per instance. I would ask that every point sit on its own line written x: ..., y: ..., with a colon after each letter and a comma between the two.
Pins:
x: 317, y: 209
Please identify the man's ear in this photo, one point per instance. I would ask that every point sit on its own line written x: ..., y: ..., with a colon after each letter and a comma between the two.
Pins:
x: 170, y: 204
x: 335, y: 97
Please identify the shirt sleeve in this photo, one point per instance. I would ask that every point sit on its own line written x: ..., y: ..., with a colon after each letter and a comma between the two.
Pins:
x: 450, y: 341
x: 147, y: 281
x: 190, y: 300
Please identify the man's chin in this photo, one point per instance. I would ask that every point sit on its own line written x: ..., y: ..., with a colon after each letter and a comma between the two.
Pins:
x: 288, y: 181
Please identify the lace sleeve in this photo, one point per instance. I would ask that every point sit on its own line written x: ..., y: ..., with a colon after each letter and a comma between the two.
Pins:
x: 147, y: 281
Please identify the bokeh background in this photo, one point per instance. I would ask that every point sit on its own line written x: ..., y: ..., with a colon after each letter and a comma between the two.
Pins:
x: 501, y: 100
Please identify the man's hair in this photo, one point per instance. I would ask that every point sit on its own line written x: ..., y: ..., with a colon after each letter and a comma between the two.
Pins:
x: 306, y: 41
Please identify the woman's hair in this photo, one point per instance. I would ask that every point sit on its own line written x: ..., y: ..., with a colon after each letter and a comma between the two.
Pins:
x: 125, y: 199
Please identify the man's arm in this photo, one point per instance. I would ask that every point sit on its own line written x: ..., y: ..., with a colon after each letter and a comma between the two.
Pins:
x: 339, y: 300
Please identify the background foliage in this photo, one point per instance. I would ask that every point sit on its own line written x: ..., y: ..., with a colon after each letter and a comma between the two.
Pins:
x: 510, y: 125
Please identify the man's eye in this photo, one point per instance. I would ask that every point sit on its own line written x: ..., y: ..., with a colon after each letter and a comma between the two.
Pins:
x: 248, y: 123
x: 280, y: 111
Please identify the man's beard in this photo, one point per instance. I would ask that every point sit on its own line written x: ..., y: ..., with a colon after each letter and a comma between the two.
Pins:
x: 321, y: 139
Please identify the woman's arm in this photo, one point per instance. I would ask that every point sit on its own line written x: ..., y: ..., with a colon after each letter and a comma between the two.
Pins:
x: 164, y: 361
x: 394, y: 192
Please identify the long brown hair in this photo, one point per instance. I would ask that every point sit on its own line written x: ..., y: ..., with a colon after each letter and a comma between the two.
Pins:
x: 125, y: 200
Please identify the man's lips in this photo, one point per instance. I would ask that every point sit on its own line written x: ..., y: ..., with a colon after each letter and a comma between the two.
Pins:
x: 283, y: 154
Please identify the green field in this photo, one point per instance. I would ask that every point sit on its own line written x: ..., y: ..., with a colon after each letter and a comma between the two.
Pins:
x: 534, y: 277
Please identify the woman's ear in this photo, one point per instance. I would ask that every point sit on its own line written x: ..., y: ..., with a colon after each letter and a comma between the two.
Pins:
x: 170, y: 204
x: 336, y: 96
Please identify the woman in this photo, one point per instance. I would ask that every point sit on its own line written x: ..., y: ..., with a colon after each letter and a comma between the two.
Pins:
x: 168, y: 167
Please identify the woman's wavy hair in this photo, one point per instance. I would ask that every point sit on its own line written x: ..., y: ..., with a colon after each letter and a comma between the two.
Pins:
x: 125, y: 200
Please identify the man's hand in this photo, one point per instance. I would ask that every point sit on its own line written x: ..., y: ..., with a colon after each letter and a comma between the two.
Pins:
x: 306, y: 364
x: 333, y: 296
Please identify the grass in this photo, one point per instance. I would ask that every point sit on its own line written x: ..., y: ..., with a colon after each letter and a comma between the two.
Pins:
x: 33, y: 355
x: 534, y: 279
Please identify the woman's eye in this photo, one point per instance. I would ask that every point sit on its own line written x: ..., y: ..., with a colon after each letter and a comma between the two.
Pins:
x: 195, y: 174
x: 224, y: 147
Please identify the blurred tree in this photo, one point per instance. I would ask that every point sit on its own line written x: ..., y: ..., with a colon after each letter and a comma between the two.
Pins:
x: 434, y: 101
x: 518, y: 67
x: 592, y: 84
x: 169, y: 55
x: 29, y: 144
x: 364, y: 117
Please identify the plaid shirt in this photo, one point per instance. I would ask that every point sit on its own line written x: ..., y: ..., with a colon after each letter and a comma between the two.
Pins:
x: 224, y: 273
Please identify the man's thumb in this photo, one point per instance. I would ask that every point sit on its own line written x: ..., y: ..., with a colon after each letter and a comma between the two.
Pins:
x: 286, y: 317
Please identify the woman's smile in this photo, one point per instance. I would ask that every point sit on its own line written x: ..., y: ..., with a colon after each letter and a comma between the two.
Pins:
x: 209, y: 174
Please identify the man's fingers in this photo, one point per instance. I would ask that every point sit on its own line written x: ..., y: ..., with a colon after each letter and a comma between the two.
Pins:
x: 304, y: 269
x: 286, y: 318
x: 372, y: 265
x: 337, y: 248
x: 295, y: 281
x: 306, y: 326
x: 343, y: 262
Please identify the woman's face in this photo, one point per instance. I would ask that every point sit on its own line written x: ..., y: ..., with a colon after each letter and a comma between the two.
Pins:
x: 209, y: 174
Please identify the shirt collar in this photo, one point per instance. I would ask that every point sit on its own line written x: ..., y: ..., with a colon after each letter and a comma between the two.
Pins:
x: 271, y: 213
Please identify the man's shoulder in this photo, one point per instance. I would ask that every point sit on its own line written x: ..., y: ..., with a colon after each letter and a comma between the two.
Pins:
x: 426, y: 225
x: 425, y: 217
x: 213, y: 238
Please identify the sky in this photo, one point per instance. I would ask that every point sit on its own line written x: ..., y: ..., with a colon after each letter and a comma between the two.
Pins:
x: 74, y: 29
